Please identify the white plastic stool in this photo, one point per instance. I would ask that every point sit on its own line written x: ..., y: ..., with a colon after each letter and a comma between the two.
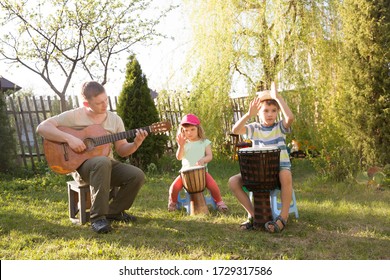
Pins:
x: 185, y: 201
x: 276, y: 206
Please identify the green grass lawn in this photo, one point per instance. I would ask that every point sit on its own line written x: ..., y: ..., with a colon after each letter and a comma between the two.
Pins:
x: 337, y: 221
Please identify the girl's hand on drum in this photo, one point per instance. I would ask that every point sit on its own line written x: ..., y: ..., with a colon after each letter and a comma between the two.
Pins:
x: 180, y: 139
x: 200, y: 162
x: 254, y: 107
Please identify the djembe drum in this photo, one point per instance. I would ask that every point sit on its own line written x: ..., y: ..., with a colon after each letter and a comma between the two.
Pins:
x: 194, y: 181
x: 260, y: 174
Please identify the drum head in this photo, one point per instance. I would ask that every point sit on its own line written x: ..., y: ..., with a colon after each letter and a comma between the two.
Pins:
x: 260, y: 167
x: 192, y: 168
x: 254, y: 149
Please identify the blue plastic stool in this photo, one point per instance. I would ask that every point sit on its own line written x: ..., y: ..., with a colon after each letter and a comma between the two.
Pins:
x: 184, y: 202
x: 276, y: 206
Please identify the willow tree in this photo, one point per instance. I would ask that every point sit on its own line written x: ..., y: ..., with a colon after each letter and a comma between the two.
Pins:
x: 60, y: 39
x: 210, y: 61
x: 240, y: 46
x: 315, y: 84
x: 364, y: 97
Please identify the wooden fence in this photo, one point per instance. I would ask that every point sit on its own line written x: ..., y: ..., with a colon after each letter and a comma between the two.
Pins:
x: 25, y: 113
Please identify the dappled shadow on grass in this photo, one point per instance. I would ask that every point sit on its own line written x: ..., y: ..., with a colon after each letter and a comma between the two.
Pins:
x: 333, y: 234
x: 336, y: 222
x: 343, y: 221
x: 161, y: 235
x: 165, y: 238
x: 317, y: 190
x: 26, y: 223
x: 149, y: 238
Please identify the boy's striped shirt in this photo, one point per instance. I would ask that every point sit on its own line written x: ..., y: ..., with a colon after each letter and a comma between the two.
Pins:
x: 274, y: 135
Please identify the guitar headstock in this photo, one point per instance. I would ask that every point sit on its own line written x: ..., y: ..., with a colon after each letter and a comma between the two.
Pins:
x: 160, y: 127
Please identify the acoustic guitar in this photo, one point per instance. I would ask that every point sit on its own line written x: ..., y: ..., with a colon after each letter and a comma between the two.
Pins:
x: 63, y: 160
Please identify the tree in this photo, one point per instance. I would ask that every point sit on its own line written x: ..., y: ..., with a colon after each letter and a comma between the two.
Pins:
x: 364, y: 96
x: 330, y: 58
x: 241, y: 46
x: 137, y: 109
x: 63, y: 38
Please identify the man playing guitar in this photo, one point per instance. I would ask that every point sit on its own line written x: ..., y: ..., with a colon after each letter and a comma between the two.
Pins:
x: 101, y: 172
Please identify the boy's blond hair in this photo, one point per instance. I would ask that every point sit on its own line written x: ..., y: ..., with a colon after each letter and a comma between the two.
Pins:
x: 271, y: 102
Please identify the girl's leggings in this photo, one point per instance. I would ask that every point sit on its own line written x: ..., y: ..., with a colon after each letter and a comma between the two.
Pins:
x: 211, y: 185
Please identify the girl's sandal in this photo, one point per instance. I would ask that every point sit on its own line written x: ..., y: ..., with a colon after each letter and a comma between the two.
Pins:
x: 172, y: 207
x: 221, y: 207
x: 275, y: 225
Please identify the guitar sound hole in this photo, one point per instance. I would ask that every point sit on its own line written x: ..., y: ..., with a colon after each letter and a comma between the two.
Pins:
x: 89, y: 143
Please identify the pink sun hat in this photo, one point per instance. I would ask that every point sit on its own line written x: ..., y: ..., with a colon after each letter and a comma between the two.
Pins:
x: 190, y: 119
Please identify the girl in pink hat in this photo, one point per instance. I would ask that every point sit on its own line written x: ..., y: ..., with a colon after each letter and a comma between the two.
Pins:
x: 194, y: 150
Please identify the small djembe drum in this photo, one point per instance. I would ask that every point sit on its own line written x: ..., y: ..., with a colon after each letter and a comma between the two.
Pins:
x: 194, y: 181
x: 260, y: 174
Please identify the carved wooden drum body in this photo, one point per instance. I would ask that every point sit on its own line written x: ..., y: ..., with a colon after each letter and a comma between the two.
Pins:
x: 260, y: 174
x: 194, y: 181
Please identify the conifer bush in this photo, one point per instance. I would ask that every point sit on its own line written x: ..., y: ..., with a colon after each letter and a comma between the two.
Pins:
x: 137, y: 109
x: 7, y: 143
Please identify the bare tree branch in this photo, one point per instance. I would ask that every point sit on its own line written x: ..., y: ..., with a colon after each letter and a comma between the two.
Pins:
x: 76, y: 36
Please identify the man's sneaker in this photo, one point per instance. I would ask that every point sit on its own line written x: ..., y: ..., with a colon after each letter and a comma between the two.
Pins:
x: 101, y: 226
x: 122, y: 217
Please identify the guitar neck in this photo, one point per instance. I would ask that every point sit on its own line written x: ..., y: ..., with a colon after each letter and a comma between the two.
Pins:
x: 105, y: 139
